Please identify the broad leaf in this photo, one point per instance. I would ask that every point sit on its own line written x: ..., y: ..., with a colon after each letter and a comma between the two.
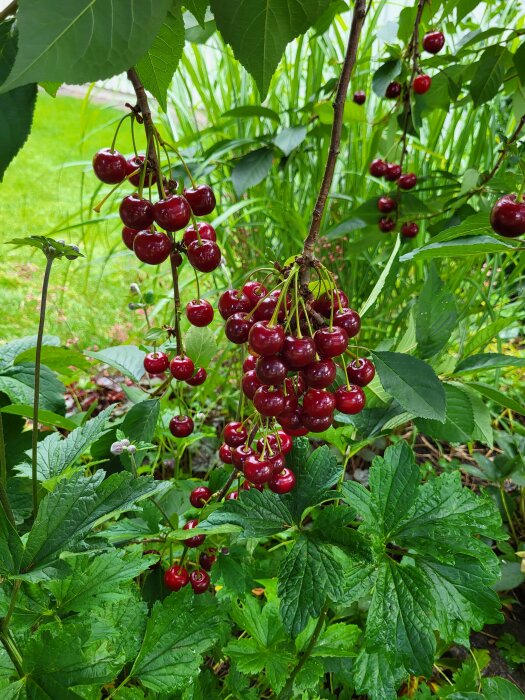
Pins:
x: 14, y: 348
x: 251, y: 169
x: 200, y: 345
x: 488, y: 76
x: 488, y: 360
x: 315, y: 477
x: 378, y: 675
x: 337, y: 640
x: 255, y: 111
x: 287, y: 140
x: 18, y: 382
x: 435, y: 315
x: 384, y: 75
x: 11, y: 547
x: 198, y: 9
x: 459, y: 422
x: 127, y: 359
x: 498, y: 397
x: 460, y: 247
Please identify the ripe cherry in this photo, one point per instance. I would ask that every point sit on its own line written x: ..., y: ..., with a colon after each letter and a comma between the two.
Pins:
x: 269, y: 402
x: 508, y: 216
x: 282, y: 482
x: 176, y: 577
x: 233, y: 301
x: 238, y: 327
x: 433, y: 42
x: 350, y: 400
x: 359, y: 97
x: 409, y: 229
x: 235, y: 434
x: 265, y: 308
x: 331, y: 342
x: 290, y: 402
x: 314, y: 424
x: 199, y: 496
x: 361, y: 372
x: 199, y: 312
x: 239, y: 455
x: 281, y: 442
x: 255, y: 291
x: 208, y: 558
x: 128, y: 236
x: 201, y: 199
x: 136, y: 212
x: 225, y: 454
x: 206, y: 233
x: 176, y: 258
x: 198, y: 378
x: 386, y: 224
x: 335, y: 298
x: 156, y: 362
x: 386, y: 204
x: 293, y: 423
x: 197, y: 540
x: 232, y: 496
x: 320, y: 374
x: 249, y: 363
x: 152, y: 247
x: 298, y: 352
x: 181, y: 426
x: 250, y: 383
x: 271, y: 370
x: 421, y: 84
x: 182, y: 367
x: 318, y: 403
x: 407, y: 181
x: 393, y: 171
x: 257, y: 470
x: 137, y: 163
x: 172, y: 213
x: 377, y: 168
x: 278, y: 462
x: 265, y: 339
x: 204, y: 256
x: 200, y: 581
x: 349, y: 320
x: 393, y: 90
x: 109, y: 166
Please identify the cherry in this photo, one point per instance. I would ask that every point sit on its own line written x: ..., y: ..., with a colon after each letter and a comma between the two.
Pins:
x: 156, y: 362
x: 386, y: 205
x: 182, y: 367
x: 271, y: 370
x: 318, y: 403
x: 225, y: 454
x: 198, y: 378
x: 255, y: 291
x: 250, y: 383
x: 350, y: 399
x: 136, y: 212
x: 377, y: 168
x: 257, y: 470
x: 109, y: 166
x: 393, y: 90
x: 407, y: 181
x: 292, y: 422
x: 232, y: 496
x: 199, y: 312
x: 421, y: 84
x: 199, y: 496
x: 238, y: 327
x: 361, y: 372
x: 508, y: 216
x: 298, y: 352
x: 393, y: 171
x: 278, y: 462
x: 249, y: 363
x: 433, y: 42
x: 386, y: 224
x: 239, y: 455
x: 317, y: 425
x: 277, y: 443
x: 128, y: 236
x: 181, y: 426
x: 282, y: 482
x: 235, y: 434
x: 409, y: 229
x: 201, y: 199
x: 265, y: 339
x: 331, y: 342
x: 359, y: 97
x: 349, y: 320
x: 137, y: 162
x: 208, y: 558
x: 206, y: 232
x: 172, y: 213
x: 233, y: 301
x: 200, y: 581
x: 204, y: 256
x: 266, y: 307
x: 269, y: 402
x: 176, y: 258
x: 336, y: 298
x: 320, y: 374
x: 176, y: 577
x: 246, y: 486
x: 152, y: 247
x: 197, y: 540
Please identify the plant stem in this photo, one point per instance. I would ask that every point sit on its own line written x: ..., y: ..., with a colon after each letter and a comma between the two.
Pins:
x: 14, y: 595
x: 34, y: 442
x: 176, y: 302
x: 4, y: 500
x: 220, y: 494
x: 13, y: 653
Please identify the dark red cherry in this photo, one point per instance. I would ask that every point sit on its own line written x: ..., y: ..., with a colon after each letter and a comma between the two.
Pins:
x: 255, y: 291
x: 278, y: 462
x: 201, y: 199
x: 265, y: 308
x: 320, y: 374
x: 235, y: 434
x: 290, y: 402
x: 208, y: 558
x: 292, y: 422
x: 199, y: 581
x: 359, y: 97
x: 199, y: 496
x: 204, y: 256
x: 182, y: 367
x: 257, y: 470
x: 172, y: 213
x: 317, y: 425
x: 238, y: 327
x: 276, y: 443
x: 508, y: 216
x: 433, y: 42
x: 282, y: 482
x: 109, y: 166
x: 250, y: 383
x: 393, y: 90
x: 361, y: 371
x: 232, y: 301
x: 298, y: 352
x: 197, y: 540
x: 239, y: 455
x: 181, y: 426
x: 156, y: 362
x: 269, y: 402
x: 199, y: 312
x: 331, y: 342
x: 407, y: 181
x: 421, y: 84
x: 318, y: 403
x: 265, y: 339
x: 225, y: 454
x: 386, y: 224
x: 249, y: 363
x: 128, y: 236
x: 350, y: 400
x: 206, y: 233
x: 152, y: 247
x: 335, y: 298
x: 386, y: 204
x: 176, y: 577
x: 393, y: 171
x: 175, y: 258
x: 349, y: 320
x: 137, y: 163
x: 198, y: 378
x: 377, y: 168
x: 271, y: 370
x: 232, y: 496
x: 136, y: 212
x: 410, y: 229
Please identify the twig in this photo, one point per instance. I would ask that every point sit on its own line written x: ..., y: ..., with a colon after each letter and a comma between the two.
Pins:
x: 9, y: 10
x: 503, y: 152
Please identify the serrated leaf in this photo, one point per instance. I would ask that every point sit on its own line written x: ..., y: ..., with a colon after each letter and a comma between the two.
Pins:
x: 11, y: 547
x: 141, y: 420
x: 500, y: 688
x: 459, y: 422
x: 11, y: 350
x: 488, y: 76
x: 18, y: 382
x: 251, y: 169
x: 124, y: 622
x: 488, y: 360
x: 198, y: 9
x: 58, y: 359
x: 378, y: 675
x: 459, y: 247
x: 200, y: 344
x: 314, y: 477
x: 127, y: 359
x: 435, y: 315
x: 337, y: 640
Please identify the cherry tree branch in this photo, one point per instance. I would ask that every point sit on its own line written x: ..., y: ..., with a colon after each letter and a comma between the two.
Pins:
x: 149, y: 126
x: 9, y: 10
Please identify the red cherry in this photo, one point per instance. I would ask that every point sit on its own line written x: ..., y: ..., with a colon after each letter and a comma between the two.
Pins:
x: 136, y: 212
x: 152, y: 247
x: 199, y: 496
x: 386, y: 205
x: 298, y: 352
x: 350, y: 399
x: 204, y: 256
x: 182, y: 367
x: 197, y: 540
x: 318, y: 403
x: 331, y: 342
x: 238, y: 327
x: 393, y: 90
x: 297, y: 432
x: 181, y: 426
x: 269, y: 402
x: 176, y: 258
x: 407, y: 181
x: 265, y: 339
x: 336, y: 298
x: 361, y: 372
x: 257, y: 470
x: 250, y: 383
x: 421, y: 84
x: 232, y: 496
x: 255, y: 291
x: 206, y: 233
x: 200, y: 581
x: 317, y: 425
x: 359, y: 97
x: 409, y: 229
x: 249, y: 363
x: 508, y: 216
x: 277, y: 444
x: 266, y: 307
x: 128, y: 236
x: 235, y: 434
x: 239, y: 455
x: 199, y: 312
x: 271, y: 370
x: 198, y: 378
x: 290, y: 402
x: 433, y: 42
x: 282, y: 482
x: 201, y: 199
x: 232, y: 301
x: 378, y: 168
x: 393, y: 171
x: 172, y: 213
x: 349, y: 320
x: 137, y: 162
x: 386, y: 224
x: 225, y: 454
x: 109, y: 166
x: 208, y: 558
x: 156, y: 362
x: 320, y: 374
x: 176, y: 577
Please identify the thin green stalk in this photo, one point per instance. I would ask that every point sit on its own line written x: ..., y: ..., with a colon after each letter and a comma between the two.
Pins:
x: 9, y: 645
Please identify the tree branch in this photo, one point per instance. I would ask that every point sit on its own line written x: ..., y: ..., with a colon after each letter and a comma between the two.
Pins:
x: 9, y: 10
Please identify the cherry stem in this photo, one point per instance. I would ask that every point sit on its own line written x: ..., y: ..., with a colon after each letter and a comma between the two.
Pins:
x: 197, y: 283
x: 121, y: 121
x: 104, y: 199
x: 182, y: 161
x: 176, y: 303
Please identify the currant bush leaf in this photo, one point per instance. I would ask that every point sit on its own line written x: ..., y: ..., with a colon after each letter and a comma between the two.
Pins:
x: 11, y: 547
x: 378, y: 675
x: 337, y: 640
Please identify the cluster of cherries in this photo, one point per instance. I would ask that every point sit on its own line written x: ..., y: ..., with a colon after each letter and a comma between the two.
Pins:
x: 388, y: 205
x: 177, y: 576
x: 432, y: 42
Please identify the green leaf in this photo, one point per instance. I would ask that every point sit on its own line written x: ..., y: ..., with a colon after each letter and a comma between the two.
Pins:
x: 488, y: 360
x: 307, y: 577
x: 314, y: 477
x: 498, y: 397
x: 519, y: 63
x: 255, y: 111
x: 171, y: 654
x: 18, y: 382
x: 459, y: 247
x: 44, y: 417
x: 459, y: 422
x: 49, y: 246
x: 127, y: 359
x: 337, y: 640
x: 79, y: 41
x: 10, y: 351
x: 500, y: 688
x: 378, y: 287
x: 259, y: 30
x: 141, y: 420
x: 11, y: 547
x: 488, y: 76
x: 287, y: 140
x: 251, y: 169
x: 435, y: 315
x: 377, y: 675
x: 384, y: 75
x: 58, y: 359
x: 200, y: 345
x: 198, y: 9
x: 413, y: 384
x: 159, y: 63
x: 484, y: 335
